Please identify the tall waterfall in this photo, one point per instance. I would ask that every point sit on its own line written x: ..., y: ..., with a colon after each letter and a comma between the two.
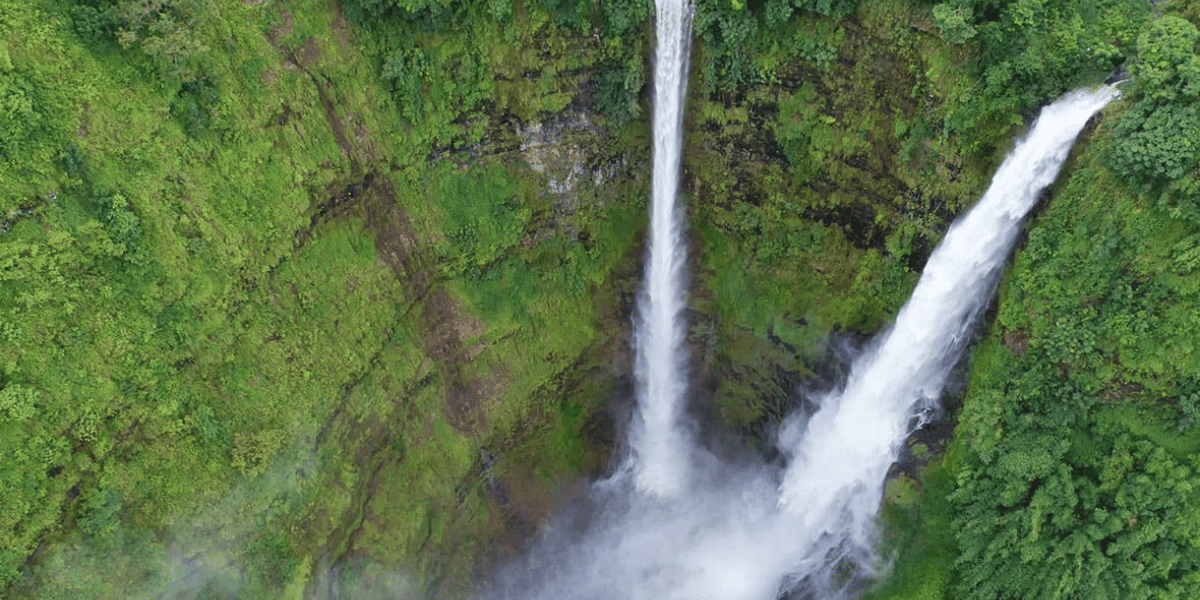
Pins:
x: 716, y: 530
x: 659, y: 441
x: 837, y: 464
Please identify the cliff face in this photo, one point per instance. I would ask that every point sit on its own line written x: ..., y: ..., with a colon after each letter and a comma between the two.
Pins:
x: 279, y: 323
x: 312, y: 299
x: 818, y: 195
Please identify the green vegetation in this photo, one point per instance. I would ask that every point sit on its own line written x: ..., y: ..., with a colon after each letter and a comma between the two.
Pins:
x: 1157, y: 136
x: 1076, y: 473
x: 1074, y: 462
x: 250, y: 331
x: 330, y: 298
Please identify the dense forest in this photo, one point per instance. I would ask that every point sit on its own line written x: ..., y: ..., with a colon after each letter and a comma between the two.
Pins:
x: 331, y: 299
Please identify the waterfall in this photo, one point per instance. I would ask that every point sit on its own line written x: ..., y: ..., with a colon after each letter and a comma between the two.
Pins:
x: 837, y: 465
x: 711, y: 529
x: 659, y: 441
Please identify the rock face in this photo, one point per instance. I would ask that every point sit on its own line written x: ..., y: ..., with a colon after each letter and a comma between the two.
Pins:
x: 575, y: 157
x: 548, y: 149
x: 565, y: 149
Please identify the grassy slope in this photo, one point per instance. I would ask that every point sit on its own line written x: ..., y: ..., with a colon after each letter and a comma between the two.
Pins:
x: 251, y: 353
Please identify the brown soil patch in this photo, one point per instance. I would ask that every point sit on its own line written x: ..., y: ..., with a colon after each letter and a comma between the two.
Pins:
x: 396, y: 244
x: 447, y: 329
x: 446, y: 333
x: 308, y: 59
x: 360, y: 130
x: 468, y: 402
x: 1116, y: 390
x: 309, y: 54
x: 277, y: 33
x: 1017, y: 341
x: 283, y: 29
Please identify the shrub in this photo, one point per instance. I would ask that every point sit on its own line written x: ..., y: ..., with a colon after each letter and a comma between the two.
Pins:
x: 1155, y: 143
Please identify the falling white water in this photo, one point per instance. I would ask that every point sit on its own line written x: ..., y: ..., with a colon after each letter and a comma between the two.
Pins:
x: 837, y: 466
x: 659, y: 440
x: 738, y: 533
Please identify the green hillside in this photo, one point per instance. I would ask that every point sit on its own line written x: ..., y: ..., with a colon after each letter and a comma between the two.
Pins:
x: 314, y: 299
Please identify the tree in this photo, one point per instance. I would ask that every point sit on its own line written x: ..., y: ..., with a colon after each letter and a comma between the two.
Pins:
x: 24, y: 123
x: 1167, y: 67
x: 955, y: 23
x: 1156, y: 140
x: 1155, y: 143
x: 1047, y: 522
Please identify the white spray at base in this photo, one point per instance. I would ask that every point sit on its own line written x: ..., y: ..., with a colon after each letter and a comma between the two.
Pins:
x: 658, y: 440
x: 754, y: 531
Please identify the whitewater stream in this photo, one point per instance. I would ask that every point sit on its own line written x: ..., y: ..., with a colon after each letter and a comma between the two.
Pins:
x: 838, y: 463
x: 676, y: 522
x: 660, y: 443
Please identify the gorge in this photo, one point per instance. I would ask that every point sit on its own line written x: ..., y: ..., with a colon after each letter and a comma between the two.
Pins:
x: 377, y: 299
x: 679, y: 523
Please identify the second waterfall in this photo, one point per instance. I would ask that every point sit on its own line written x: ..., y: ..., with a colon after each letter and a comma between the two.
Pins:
x: 659, y: 440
